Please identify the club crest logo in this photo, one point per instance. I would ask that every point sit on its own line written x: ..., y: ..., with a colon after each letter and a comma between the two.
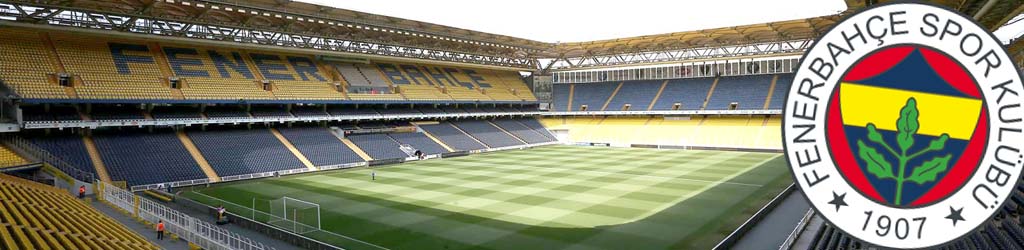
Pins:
x: 903, y: 126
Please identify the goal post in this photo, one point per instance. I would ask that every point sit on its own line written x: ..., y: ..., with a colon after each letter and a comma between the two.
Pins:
x: 294, y: 215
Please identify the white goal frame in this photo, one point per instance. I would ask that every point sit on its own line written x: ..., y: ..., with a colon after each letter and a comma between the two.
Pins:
x: 283, y: 218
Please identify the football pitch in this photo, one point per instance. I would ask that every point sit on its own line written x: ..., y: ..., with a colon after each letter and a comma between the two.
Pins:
x: 554, y: 197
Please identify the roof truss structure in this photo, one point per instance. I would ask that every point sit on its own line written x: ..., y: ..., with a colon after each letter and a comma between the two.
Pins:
x: 289, y: 24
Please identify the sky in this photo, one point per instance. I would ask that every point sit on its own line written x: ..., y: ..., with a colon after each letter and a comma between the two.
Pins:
x: 577, y: 20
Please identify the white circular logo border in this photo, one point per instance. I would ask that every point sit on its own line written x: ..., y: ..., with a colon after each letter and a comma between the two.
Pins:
x: 811, y: 99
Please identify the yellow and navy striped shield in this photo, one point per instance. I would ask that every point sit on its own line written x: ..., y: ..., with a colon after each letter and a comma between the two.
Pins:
x: 906, y: 126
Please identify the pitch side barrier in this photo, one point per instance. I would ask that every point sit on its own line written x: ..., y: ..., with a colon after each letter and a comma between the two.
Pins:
x: 159, y: 186
x: 667, y: 112
x: 201, y: 121
x: 733, y: 237
x: 191, y: 229
x: 672, y: 147
x: 697, y: 147
x: 139, y: 188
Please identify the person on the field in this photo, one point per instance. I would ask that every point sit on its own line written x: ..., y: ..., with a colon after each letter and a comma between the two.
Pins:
x: 81, y: 192
x: 160, y: 230
x: 373, y: 175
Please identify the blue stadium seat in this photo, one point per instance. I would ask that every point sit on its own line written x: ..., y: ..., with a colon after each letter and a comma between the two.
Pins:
x: 419, y: 141
x: 559, y: 97
x: 979, y: 241
x: 537, y: 127
x: 688, y: 92
x: 1014, y: 231
x: 378, y: 146
x: 320, y: 146
x: 522, y: 131
x: 780, y: 91
x: 749, y: 91
x: 69, y: 148
x: 638, y: 94
x: 447, y: 133
x: 594, y: 95
x: 146, y: 158
x: 487, y: 133
x: 821, y: 240
x: 241, y: 151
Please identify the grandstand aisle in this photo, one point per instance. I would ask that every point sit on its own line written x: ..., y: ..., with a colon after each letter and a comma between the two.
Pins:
x: 180, y: 244
x: 142, y: 229
x: 38, y: 216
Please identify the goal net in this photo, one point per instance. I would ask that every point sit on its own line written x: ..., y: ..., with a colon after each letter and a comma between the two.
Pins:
x: 295, y: 215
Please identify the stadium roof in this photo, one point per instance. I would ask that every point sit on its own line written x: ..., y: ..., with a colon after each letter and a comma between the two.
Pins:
x: 993, y: 13
x: 286, y: 16
x: 737, y: 35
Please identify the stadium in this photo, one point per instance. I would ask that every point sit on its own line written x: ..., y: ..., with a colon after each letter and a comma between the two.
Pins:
x: 276, y: 124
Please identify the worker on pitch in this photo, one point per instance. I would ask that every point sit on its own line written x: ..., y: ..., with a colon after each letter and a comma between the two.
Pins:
x: 373, y: 175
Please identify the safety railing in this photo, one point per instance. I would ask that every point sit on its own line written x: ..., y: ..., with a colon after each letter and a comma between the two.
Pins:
x: 188, y: 228
x: 791, y: 238
x: 242, y: 120
x: 138, y: 188
x: 45, y: 156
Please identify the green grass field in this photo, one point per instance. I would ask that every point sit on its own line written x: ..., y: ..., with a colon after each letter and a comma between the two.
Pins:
x: 555, y: 197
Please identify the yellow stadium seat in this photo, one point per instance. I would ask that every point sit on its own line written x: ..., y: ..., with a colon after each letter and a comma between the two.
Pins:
x: 145, y: 72
x: 91, y: 59
x: 734, y: 132
x: 18, y: 49
x: 9, y: 158
x: 36, y: 216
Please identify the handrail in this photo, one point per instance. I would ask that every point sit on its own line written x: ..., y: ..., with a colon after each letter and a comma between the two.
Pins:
x: 191, y: 229
x: 796, y: 230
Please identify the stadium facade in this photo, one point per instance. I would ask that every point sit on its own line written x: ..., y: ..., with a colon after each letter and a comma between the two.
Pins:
x: 142, y: 101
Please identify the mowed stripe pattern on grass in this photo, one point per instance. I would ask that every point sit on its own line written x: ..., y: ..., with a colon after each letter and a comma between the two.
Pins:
x: 544, y: 198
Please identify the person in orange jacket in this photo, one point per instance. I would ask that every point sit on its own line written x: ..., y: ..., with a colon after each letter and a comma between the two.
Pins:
x: 81, y: 192
x: 160, y: 230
